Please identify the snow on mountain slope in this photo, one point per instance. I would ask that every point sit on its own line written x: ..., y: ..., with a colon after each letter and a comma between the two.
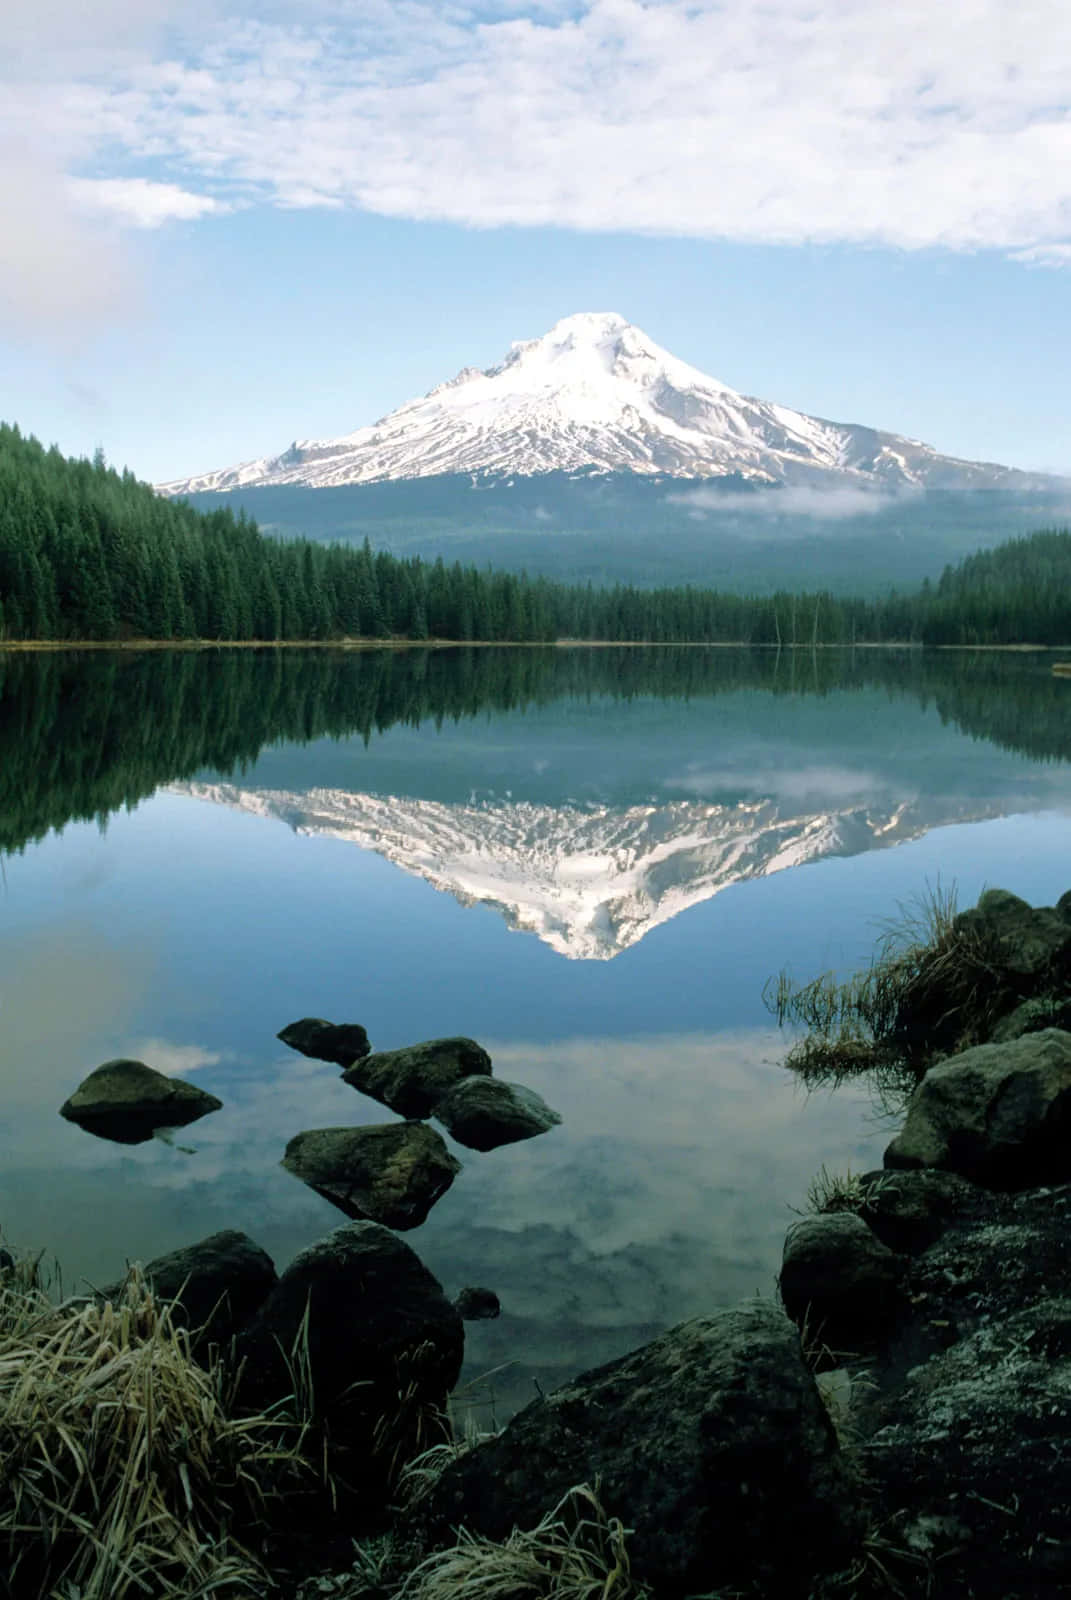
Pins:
x: 589, y: 881
x: 595, y: 393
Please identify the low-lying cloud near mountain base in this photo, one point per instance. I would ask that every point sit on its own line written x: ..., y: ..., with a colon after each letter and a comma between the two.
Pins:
x: 792, y: 502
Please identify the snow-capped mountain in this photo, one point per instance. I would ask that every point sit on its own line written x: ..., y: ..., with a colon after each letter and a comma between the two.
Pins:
x: 596, y: 394
x: 589, y: 881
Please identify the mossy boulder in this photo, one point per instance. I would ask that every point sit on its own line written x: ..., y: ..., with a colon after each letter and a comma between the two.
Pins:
x: 378, y: 1342
x: 339, y: 1042
x: 839, y: 1279
x: 711, y: 1443
x: 999, y: 1114
x: 484, y: 1113
x: 127, y: 1101
x: 414, y: 1079
x: 392, y: 1174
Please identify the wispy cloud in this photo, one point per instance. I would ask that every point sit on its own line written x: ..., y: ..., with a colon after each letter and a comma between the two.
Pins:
x: 838, y: 120
x: 793, y: 502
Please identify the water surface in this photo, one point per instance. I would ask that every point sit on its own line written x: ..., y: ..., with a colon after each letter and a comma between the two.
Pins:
x: 591, y: 861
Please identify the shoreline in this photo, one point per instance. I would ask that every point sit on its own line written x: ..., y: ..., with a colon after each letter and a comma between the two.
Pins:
x: 51, y: 646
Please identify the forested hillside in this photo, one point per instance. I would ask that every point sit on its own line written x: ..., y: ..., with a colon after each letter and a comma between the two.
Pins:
x: 88, y: 553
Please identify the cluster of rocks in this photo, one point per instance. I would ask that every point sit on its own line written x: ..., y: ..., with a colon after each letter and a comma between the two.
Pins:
x: 901, y: 1413
x: 389, y: 1173
x: 394, y: 1173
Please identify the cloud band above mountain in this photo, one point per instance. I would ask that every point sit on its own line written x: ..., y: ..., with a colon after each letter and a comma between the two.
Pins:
x: 844, y: 120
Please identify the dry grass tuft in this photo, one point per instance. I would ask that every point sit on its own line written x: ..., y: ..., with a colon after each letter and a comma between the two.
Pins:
x: 934, y: 986
x: 577, y: 1552
x: 122, y: 1472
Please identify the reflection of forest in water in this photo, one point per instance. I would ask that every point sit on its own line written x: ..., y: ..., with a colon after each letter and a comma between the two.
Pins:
x: 84, y: 734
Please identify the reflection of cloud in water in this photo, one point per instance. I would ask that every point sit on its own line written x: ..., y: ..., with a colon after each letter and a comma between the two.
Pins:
x: 173, y: 1060
x: 826, y: 785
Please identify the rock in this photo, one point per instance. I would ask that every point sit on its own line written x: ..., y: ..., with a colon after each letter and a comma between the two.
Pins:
x: 1044, y: 1011
x: 215, y: 1285
x: 340, y: 1042
x: 484, y: 1113
x: 999, y: 1114
x: 413, y: 1080
x: 908, y: 1211
x: 477, y: 1305
x: 126, y: 1101
x: 383, y: 1344
x: 977, y: 1437
x: 711, y: 1444
x: 838, y: 1279
x: 391, y: 1174
x: 1029, y: 940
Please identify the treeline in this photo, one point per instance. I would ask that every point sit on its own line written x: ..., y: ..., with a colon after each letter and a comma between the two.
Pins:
x: 90, y: 553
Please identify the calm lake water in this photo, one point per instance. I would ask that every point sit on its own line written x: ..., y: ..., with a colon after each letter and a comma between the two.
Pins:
x: 591, y: 861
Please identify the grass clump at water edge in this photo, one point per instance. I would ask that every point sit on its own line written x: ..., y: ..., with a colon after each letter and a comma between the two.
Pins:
x: 934, y: 987
x: 122, y: 1471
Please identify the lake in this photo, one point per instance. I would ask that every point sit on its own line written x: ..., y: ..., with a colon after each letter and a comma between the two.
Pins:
x: 589, y: 860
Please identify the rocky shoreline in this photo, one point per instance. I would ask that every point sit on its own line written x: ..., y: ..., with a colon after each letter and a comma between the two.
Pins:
x: 896, y: 1419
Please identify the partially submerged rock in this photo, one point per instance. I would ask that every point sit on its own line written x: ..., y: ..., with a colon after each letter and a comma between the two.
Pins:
x: 484, y: 1113
x: 711, y: 1443
x: 378, y: 1340
x: 477, y: 1305
x: 127, y: 1101
x: 414, y: 1079
x: 999, y: 1114
x: 392, y: 1174
x: 838, y: 1279
x: 340, y: 1042
x: 214, y: 1286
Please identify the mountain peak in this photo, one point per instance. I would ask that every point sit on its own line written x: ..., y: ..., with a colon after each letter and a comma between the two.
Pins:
x: 597, y: 393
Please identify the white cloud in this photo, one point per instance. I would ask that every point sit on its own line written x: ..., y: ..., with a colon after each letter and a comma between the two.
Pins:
x: 823, y: 120
x: 139, y: 203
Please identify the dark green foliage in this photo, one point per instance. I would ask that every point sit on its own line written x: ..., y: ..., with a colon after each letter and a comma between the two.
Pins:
x: 89, y: 553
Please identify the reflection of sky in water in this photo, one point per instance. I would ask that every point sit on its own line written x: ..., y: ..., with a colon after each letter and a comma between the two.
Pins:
x: 190, y: 934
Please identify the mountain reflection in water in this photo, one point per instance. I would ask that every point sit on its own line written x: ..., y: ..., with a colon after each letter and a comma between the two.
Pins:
x: 592, y: 797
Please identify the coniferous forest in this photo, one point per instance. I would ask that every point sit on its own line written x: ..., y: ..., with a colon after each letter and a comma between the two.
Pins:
x: 89, y: 553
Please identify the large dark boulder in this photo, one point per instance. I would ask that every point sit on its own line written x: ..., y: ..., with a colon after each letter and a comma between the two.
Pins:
x: 1024, y: 942
x: 839, y: 1280
x: 379, y: 1343
x: 414, y: 1079
x: 999, y: 1114
x: 214, y: 1287
x: 340, y: 1042
x: 711, y: 1443
x: 484, y: 1113
x: 393, y: 1173
x: 127, y: 1101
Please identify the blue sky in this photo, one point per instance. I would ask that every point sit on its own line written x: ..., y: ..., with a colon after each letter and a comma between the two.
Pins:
x: 223, y: 231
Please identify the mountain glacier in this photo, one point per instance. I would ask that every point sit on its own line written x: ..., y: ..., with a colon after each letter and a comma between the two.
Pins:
x: 595, y: 394
x: 593, y: 880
